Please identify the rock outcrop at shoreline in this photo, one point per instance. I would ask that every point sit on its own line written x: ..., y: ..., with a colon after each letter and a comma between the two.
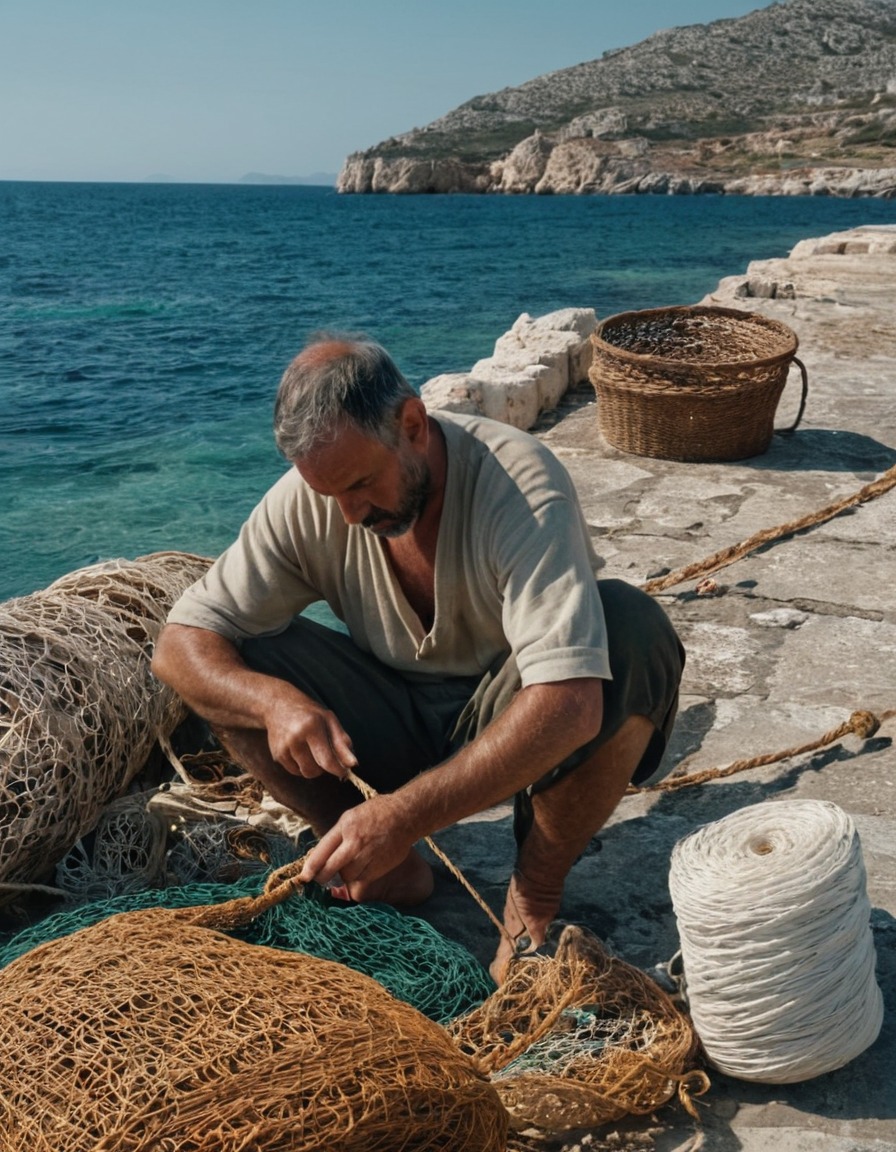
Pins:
x: 798, y: 98
x: 578, y: 168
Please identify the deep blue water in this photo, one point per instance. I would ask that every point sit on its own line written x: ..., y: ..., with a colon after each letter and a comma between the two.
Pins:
x: 144, y: 328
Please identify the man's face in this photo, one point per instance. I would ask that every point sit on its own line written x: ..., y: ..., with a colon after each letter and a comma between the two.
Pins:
x: 415, y: 485
x: 381, y: 488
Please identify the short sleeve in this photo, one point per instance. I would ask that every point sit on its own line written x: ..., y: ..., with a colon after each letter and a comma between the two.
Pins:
x: 258, y: 585
x: 552, y: 612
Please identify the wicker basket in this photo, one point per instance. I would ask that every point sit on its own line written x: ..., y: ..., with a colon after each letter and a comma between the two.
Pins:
x: 692, y: 383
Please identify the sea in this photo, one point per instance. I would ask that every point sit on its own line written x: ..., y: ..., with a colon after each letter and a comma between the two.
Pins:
x: 144, y: 327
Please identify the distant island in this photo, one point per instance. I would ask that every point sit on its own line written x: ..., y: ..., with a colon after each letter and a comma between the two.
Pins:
x: 797, y: 98
x: 324, y: 178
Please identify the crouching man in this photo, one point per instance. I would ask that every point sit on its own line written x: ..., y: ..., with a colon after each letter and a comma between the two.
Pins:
x: 482, y: 659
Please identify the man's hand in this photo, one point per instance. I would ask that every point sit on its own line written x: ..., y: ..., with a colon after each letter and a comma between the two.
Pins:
x: 206, y: 669
x: 305, y: 738
x: 370, y: 853
x: 366, y: 843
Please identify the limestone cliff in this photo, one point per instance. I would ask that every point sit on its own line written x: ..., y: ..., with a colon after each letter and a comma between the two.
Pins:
x: 795, y: 98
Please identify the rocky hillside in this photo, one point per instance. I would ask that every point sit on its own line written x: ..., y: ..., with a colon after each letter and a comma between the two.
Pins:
x: 794, y: 98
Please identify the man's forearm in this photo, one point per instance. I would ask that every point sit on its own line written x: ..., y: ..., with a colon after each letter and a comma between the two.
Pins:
x: 544, y: 724
x: 208, y: 673
x: 206, y: 670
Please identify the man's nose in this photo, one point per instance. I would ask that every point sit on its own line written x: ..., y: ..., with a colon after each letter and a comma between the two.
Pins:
x: 353, y: 508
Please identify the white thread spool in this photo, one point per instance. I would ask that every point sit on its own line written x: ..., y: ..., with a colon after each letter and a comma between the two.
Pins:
x: 776, y: 943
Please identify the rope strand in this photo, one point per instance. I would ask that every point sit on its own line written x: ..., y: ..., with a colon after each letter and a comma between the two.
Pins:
x: 863, y: 724
x: 367, y: 792
x: 726, y: 556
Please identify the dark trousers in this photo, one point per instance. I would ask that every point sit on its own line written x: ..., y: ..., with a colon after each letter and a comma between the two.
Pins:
x: 399, y: 726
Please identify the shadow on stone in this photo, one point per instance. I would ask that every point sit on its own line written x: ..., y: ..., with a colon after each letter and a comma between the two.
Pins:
x: 824, y: 450
x: 692, y: 725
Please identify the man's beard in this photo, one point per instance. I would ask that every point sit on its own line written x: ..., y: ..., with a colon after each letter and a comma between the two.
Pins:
x: 417, y: 482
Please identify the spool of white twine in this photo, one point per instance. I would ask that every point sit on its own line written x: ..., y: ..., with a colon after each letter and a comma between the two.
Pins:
x: 776, y: 943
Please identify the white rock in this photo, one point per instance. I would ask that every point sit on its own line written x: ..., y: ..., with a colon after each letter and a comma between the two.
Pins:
x: 580, y: 320
x: 452, y: 392
x: 532, y: 367
x: 525, y: 165
x: 780, y: 618
x: 512, y: 354
x: 511, y: 396
x: 566, y: 331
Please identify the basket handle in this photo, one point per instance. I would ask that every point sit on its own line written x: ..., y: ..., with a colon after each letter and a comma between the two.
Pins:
x: 793, y: 427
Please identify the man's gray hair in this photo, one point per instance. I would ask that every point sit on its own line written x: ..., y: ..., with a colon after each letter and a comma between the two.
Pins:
x: 334, y: 379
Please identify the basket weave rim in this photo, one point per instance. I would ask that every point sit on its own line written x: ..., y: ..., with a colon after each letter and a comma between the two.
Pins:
x: 755, y: 318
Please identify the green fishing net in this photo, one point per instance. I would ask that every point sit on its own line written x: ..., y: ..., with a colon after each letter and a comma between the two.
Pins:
x: 413, y: 961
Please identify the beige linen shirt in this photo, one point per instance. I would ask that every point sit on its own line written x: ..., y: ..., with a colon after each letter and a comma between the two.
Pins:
x: 514, y: 570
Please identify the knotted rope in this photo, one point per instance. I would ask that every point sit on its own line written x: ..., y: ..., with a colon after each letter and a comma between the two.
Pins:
x: 776, y: 943
x: 863, y: 724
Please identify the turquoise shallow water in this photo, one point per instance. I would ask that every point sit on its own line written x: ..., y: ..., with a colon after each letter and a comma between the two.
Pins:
x: 143, y: 328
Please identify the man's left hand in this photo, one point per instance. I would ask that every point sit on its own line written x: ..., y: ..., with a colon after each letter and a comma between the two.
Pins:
x: 371, y: 852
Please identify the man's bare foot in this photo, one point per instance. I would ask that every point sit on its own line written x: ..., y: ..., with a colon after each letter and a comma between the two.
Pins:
x: 529, y: 911
x: 409, y: 883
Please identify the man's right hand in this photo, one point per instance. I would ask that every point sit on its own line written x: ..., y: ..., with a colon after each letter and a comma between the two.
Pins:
x: 207, y: 671
x: 305, y: 738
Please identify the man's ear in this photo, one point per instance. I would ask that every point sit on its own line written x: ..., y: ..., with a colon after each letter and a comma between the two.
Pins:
x: 414, y: 420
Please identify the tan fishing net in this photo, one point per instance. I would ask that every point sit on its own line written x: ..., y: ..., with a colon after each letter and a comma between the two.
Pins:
x: 582, y: 1039
x: 79, y: 709
x: 153, y: 1030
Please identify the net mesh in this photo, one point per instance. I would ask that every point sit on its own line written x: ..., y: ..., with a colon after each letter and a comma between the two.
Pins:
x: 125, y: 852
x: 403, y: 953
x: 151, y: 1030
x: 236, y: 1015
x: 79, y: 708
x: 581, y: 1039
x: 133, y: 1029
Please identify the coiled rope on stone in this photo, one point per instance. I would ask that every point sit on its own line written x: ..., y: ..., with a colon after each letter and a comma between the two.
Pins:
x: 776, y: 943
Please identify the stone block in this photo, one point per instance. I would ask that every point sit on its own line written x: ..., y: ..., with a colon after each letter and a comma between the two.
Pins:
x: 452, y: 392
x: 513, y: 397
x: 565, y: 333
x: 762, y: 289
x: 583, y: 321
x: 551, y: 368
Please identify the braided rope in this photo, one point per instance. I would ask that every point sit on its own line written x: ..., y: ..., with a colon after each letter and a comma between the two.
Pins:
x: 726, y: 556
x: 863, y: 724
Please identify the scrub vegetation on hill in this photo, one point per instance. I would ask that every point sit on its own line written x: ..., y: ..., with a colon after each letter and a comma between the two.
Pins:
x: 802, y: 83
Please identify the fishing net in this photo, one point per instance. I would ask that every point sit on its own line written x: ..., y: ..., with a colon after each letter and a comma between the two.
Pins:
x: 236, y: 1016
x: 405, y: 954
x: 581, y: 1039
x: 212, y: 850
x: 140, y: 841
x: 79, y: 708
x: 153, y: 1031
x: 126, y: 851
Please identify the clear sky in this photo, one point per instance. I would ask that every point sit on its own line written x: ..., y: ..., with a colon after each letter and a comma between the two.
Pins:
x: 208, y: 90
